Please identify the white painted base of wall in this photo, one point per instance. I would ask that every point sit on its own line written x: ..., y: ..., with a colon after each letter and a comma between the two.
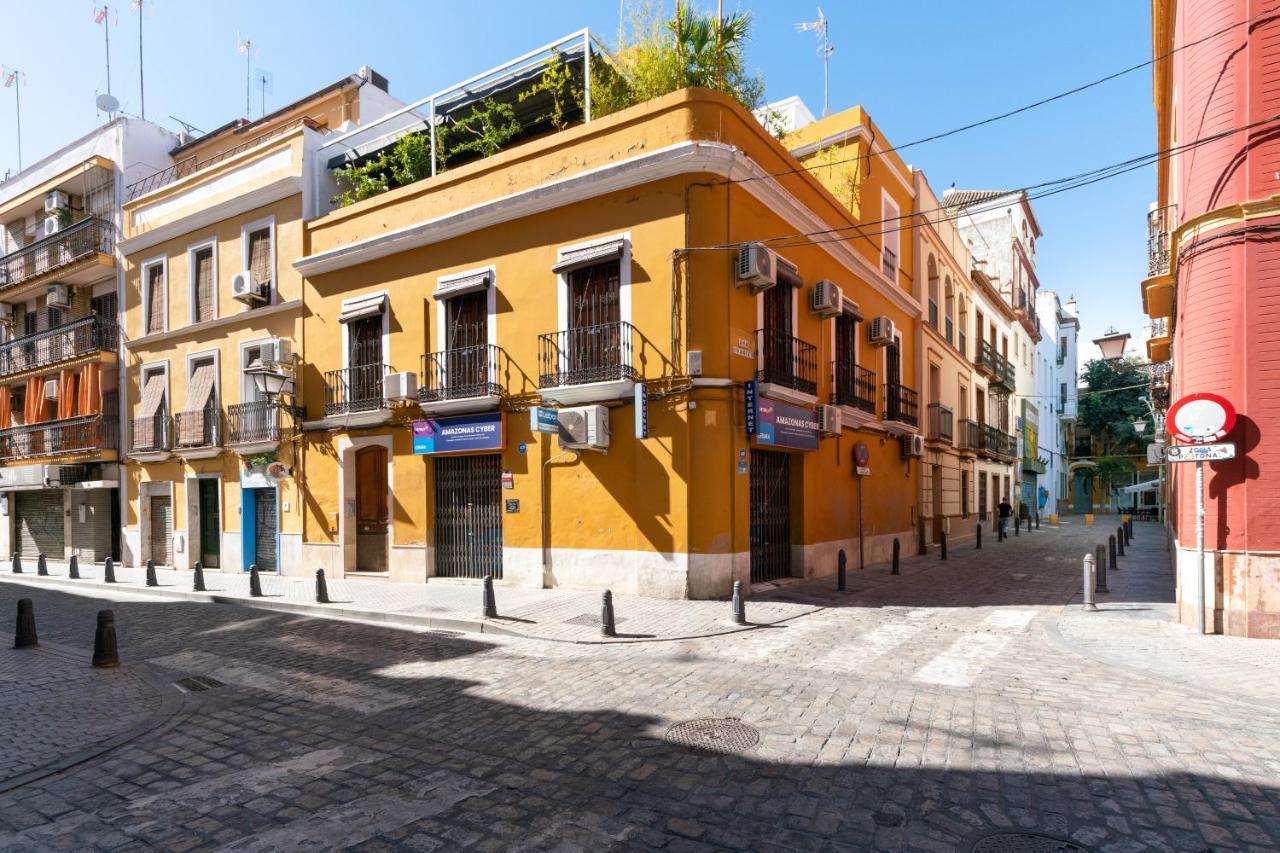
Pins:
x: 1186, y: 575
x: 131, y: 547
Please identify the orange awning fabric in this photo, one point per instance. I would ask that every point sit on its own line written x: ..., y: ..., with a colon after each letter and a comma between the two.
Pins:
x: 66, y: 393
x: 33, y: 405
x: 90, y: 402
x: 6, y: 404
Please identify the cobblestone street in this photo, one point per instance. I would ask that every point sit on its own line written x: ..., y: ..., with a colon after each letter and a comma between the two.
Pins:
x: 922, y: 711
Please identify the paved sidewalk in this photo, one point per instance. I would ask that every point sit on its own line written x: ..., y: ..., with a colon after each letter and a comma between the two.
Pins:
x: 548, y: 614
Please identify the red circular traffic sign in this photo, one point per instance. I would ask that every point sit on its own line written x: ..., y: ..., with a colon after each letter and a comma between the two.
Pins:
x: 861, y: 455
x: 1201, y: 418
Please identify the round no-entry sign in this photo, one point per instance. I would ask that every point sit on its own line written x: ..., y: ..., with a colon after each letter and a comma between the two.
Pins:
x: 861, y: 455
x: 1201, y: 418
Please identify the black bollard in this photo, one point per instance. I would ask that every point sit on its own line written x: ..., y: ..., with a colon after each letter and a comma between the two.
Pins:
x: 897, y: 551
x: 24, y: 635
x: 942, y: 543
x: 1120, y: 541
x: 1037, y: 521
x: 151, y: 573
x: 105, y: 652
x: 1100, y: 569
x: 42, y: 567
x: 490, y: 603
x: 841, y: 560
x: 197, y: 578
x: 739, y: 606
x: 73, y: 568
x: 255, y: 581
x: 17, y: 563
x: 322, y: 588
x: 109, y: 571
x: 1017, y: 525
x: 1111, y: 553
x: 607, y: 628
x: 1127, y: 528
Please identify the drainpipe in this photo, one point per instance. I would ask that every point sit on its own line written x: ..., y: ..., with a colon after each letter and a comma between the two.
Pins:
x: 542, y: 487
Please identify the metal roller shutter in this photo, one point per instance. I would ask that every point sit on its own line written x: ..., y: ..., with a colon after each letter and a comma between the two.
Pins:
x: 265, y: 538
x: 38, y: 522
x: 162, y: 530
x: 91, y: 540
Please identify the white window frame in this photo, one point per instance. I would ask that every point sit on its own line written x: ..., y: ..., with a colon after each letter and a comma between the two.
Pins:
x: 795, y: 315
x: 491, y: 311
x: 892, y: 237
x: 217, y: 372
x: 150, y: 368
x: 386, y: 328
x: 268, y: 222
x: 207, y: 243
x: 246, y: 381
x: 562, y: 284
x: 163, y: 262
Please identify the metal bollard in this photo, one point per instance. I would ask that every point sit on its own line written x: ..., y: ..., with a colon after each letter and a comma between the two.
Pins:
x: 607, y: 628
x: 490, y: 603
x: 1017, y: 525
x: 105, y: 652
x: 109, y: 571
x: 942, y: 544
x: 739, y: 606
x: 979, y: 539
x: 1120, y: 541
x: 1088, y: 583
x: 322, y: 588
x: 841, y: 561
x: 197, y: 578
x: 73, y: 568
x: 1128, y: 530
x: 151, y: 573
x: 255, y: 581
x: 1111, y: 552
x: 17, y: 563
x: 1100, y: 570
x: 897, y: 553
x: 1037, y: 521
x: 24, y: 633
x: 42, y: 566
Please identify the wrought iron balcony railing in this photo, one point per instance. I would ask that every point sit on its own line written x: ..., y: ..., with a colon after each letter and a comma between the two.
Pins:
x: 201, y: 429
x: 787, y: 361
x: 261, y: 421
x: 853, y: 385
x: 901, y: 404
x: 71, y: 435
x: 75, y: 242
x: 968, y: 434
x: 45, y: 349
x: 941, y: 422
x: 1160, y: 225
x: 462, y: 373
x: 587, y: 354
x: 997, y: 442
x: 355, y: 389
x: 151, y: 434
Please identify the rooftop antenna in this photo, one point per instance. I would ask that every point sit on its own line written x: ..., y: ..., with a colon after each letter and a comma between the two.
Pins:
x: 187, y: 126
x: 821, y: 28
x: 100, y: 16
x: 245, y: 46
x: 16, y: 80
x: 136, y: 5
x: 265, y: 82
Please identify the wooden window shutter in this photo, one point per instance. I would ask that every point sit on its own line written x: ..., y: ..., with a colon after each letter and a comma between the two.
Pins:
x: 155, y: 299
x: 204, y: 284
x: 260, y: 255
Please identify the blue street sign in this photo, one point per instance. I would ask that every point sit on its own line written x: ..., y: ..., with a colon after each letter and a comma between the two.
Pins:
x: 749, y: 393
x: 542, y: 419
x: 642, y: 410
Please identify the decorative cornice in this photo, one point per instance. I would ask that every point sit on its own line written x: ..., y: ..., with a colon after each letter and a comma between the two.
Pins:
x: 230, y: 320
x: 279, y: 189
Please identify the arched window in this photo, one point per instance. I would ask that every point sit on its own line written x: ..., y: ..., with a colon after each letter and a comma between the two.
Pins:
x: 950, y: 318
x: 933, y: 292
x: 962, y: 326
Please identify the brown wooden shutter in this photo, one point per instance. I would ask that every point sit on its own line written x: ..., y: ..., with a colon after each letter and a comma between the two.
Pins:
x: 155, y: 299
x: 204, y: 284
x: 260, y: 256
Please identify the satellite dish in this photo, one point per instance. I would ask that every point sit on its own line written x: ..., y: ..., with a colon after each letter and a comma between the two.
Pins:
x: 107, y: 103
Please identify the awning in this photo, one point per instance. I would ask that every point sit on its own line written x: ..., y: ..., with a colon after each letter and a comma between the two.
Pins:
x: 152, y: 396
x: 200, y: 388
x: 1147, y: 486
x: 597, y: 254
x: 362, y: 306
x: 460, y: 284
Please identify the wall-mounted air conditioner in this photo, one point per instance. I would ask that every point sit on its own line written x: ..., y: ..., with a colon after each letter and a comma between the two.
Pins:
x: 881, y: 331
x: 58, y: 296
x: 6, y: 312
x: 826, y: 299
x: 247, y: 289
x: 912, y: 445
x: 584, y: 428
x: 400, y: 387
x: 757, y: 267
x: 278, y: 350
x: 830, y: 420
x: 51, y: 225
x: 51, y: 389
x: 56, y: 200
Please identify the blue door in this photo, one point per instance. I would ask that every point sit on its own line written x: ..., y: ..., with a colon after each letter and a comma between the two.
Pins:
x: 259, y: 522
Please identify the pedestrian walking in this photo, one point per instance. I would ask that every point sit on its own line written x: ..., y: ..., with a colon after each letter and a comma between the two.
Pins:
x: 1006, y: 512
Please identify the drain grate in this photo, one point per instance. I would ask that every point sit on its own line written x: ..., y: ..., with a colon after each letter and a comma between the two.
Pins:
x: 590, y: 619
x: 722, y: 735
x: 1024, y: 842
x: 198, y: 683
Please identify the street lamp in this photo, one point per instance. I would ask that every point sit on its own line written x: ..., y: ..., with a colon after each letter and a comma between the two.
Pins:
x: 271, y: 379
x: 1112, y: 344
x: 1139, y: 427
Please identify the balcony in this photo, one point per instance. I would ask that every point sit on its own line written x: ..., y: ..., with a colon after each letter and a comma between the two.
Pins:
x: 788, y: 367
x: 994, y: 365
x: 1026, y: 311
x: 96, y: 434
x: 1157, y: 288
x: 854, y: 386
x: 589, y: 364
x: 901, y: 404
x: 68, y: 342
x: 354, y: 395
x: 1033, y: 466
x: 464, y: 379
x: 198, y: 435
x: 151, y: 438
x: 968, y: 435
x: 257, y: 427
x: 83, y: 246
x: 996, y: 443
x: 941, y: 423
x: 1160, y: 343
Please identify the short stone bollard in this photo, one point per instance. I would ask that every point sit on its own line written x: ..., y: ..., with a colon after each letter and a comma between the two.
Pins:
x: 1088, y: 583
x: 1120, y: 541
x: 42, y: 566
x: 841, y: 560
x: 322, y: 588
x: 489, y: 605
x: 1111, y: 552
x: 255, y: 581
x: 24, y: 633
x: 942, y: 544
x: 897, y: 554
x: 197, y: 578
x: 109, y: 571
x: 1100, y: 570
x: 607, y: 628
x: 73, y: 568
x: 978, y: 540
x: 17, y: 563
x: 740, y: 606
x: 151, y: 573
x: 105, y: 652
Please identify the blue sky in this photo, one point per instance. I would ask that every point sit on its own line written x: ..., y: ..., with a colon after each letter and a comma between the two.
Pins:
x: 919, y: 66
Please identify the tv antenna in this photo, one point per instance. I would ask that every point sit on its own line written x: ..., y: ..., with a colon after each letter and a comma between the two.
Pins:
x: 245, y: 45
x: 187, y: 126
x: 264, y: 81
x: 821, y: 28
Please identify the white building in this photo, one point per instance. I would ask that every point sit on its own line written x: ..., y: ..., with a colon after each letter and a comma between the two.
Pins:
x: 1057, y: 369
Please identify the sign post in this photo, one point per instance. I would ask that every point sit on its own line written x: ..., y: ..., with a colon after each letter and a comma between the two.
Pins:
x: 861, y: 456
x: 1200, y: 419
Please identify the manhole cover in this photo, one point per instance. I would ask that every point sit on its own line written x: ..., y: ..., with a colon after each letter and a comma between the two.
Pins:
x: 590, y: 619
x: 725, y: 735
x: 197, y: 683
x: 1024, y: 842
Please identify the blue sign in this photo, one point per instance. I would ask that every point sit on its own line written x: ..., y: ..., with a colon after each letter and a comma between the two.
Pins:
x: 463, y: 434
x: 749, y: 392
x: 642, y: 410
x: 542, y: 419
x: 784, y: 425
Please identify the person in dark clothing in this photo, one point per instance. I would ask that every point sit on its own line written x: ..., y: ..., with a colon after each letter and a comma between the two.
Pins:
x: 1006, y: 512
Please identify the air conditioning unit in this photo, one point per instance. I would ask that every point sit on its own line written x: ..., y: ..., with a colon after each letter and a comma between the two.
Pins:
x: 278, y: 350
x: 826, y: 299
x: 400, y: 387
x: 58, y: 296
x: 830, y: 420
x: 912, y: 445
x: 56, y: 200
x: 51, y: 389
x: 245, y: 288
x: 6, y: 312
x: 52, y: 225
x: 881, y: 331
x: 757, y: 267
x: 584, y: 428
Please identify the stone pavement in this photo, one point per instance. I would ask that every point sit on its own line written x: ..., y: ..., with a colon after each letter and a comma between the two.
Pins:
x: 917, y: 712
x: 550, y: 614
